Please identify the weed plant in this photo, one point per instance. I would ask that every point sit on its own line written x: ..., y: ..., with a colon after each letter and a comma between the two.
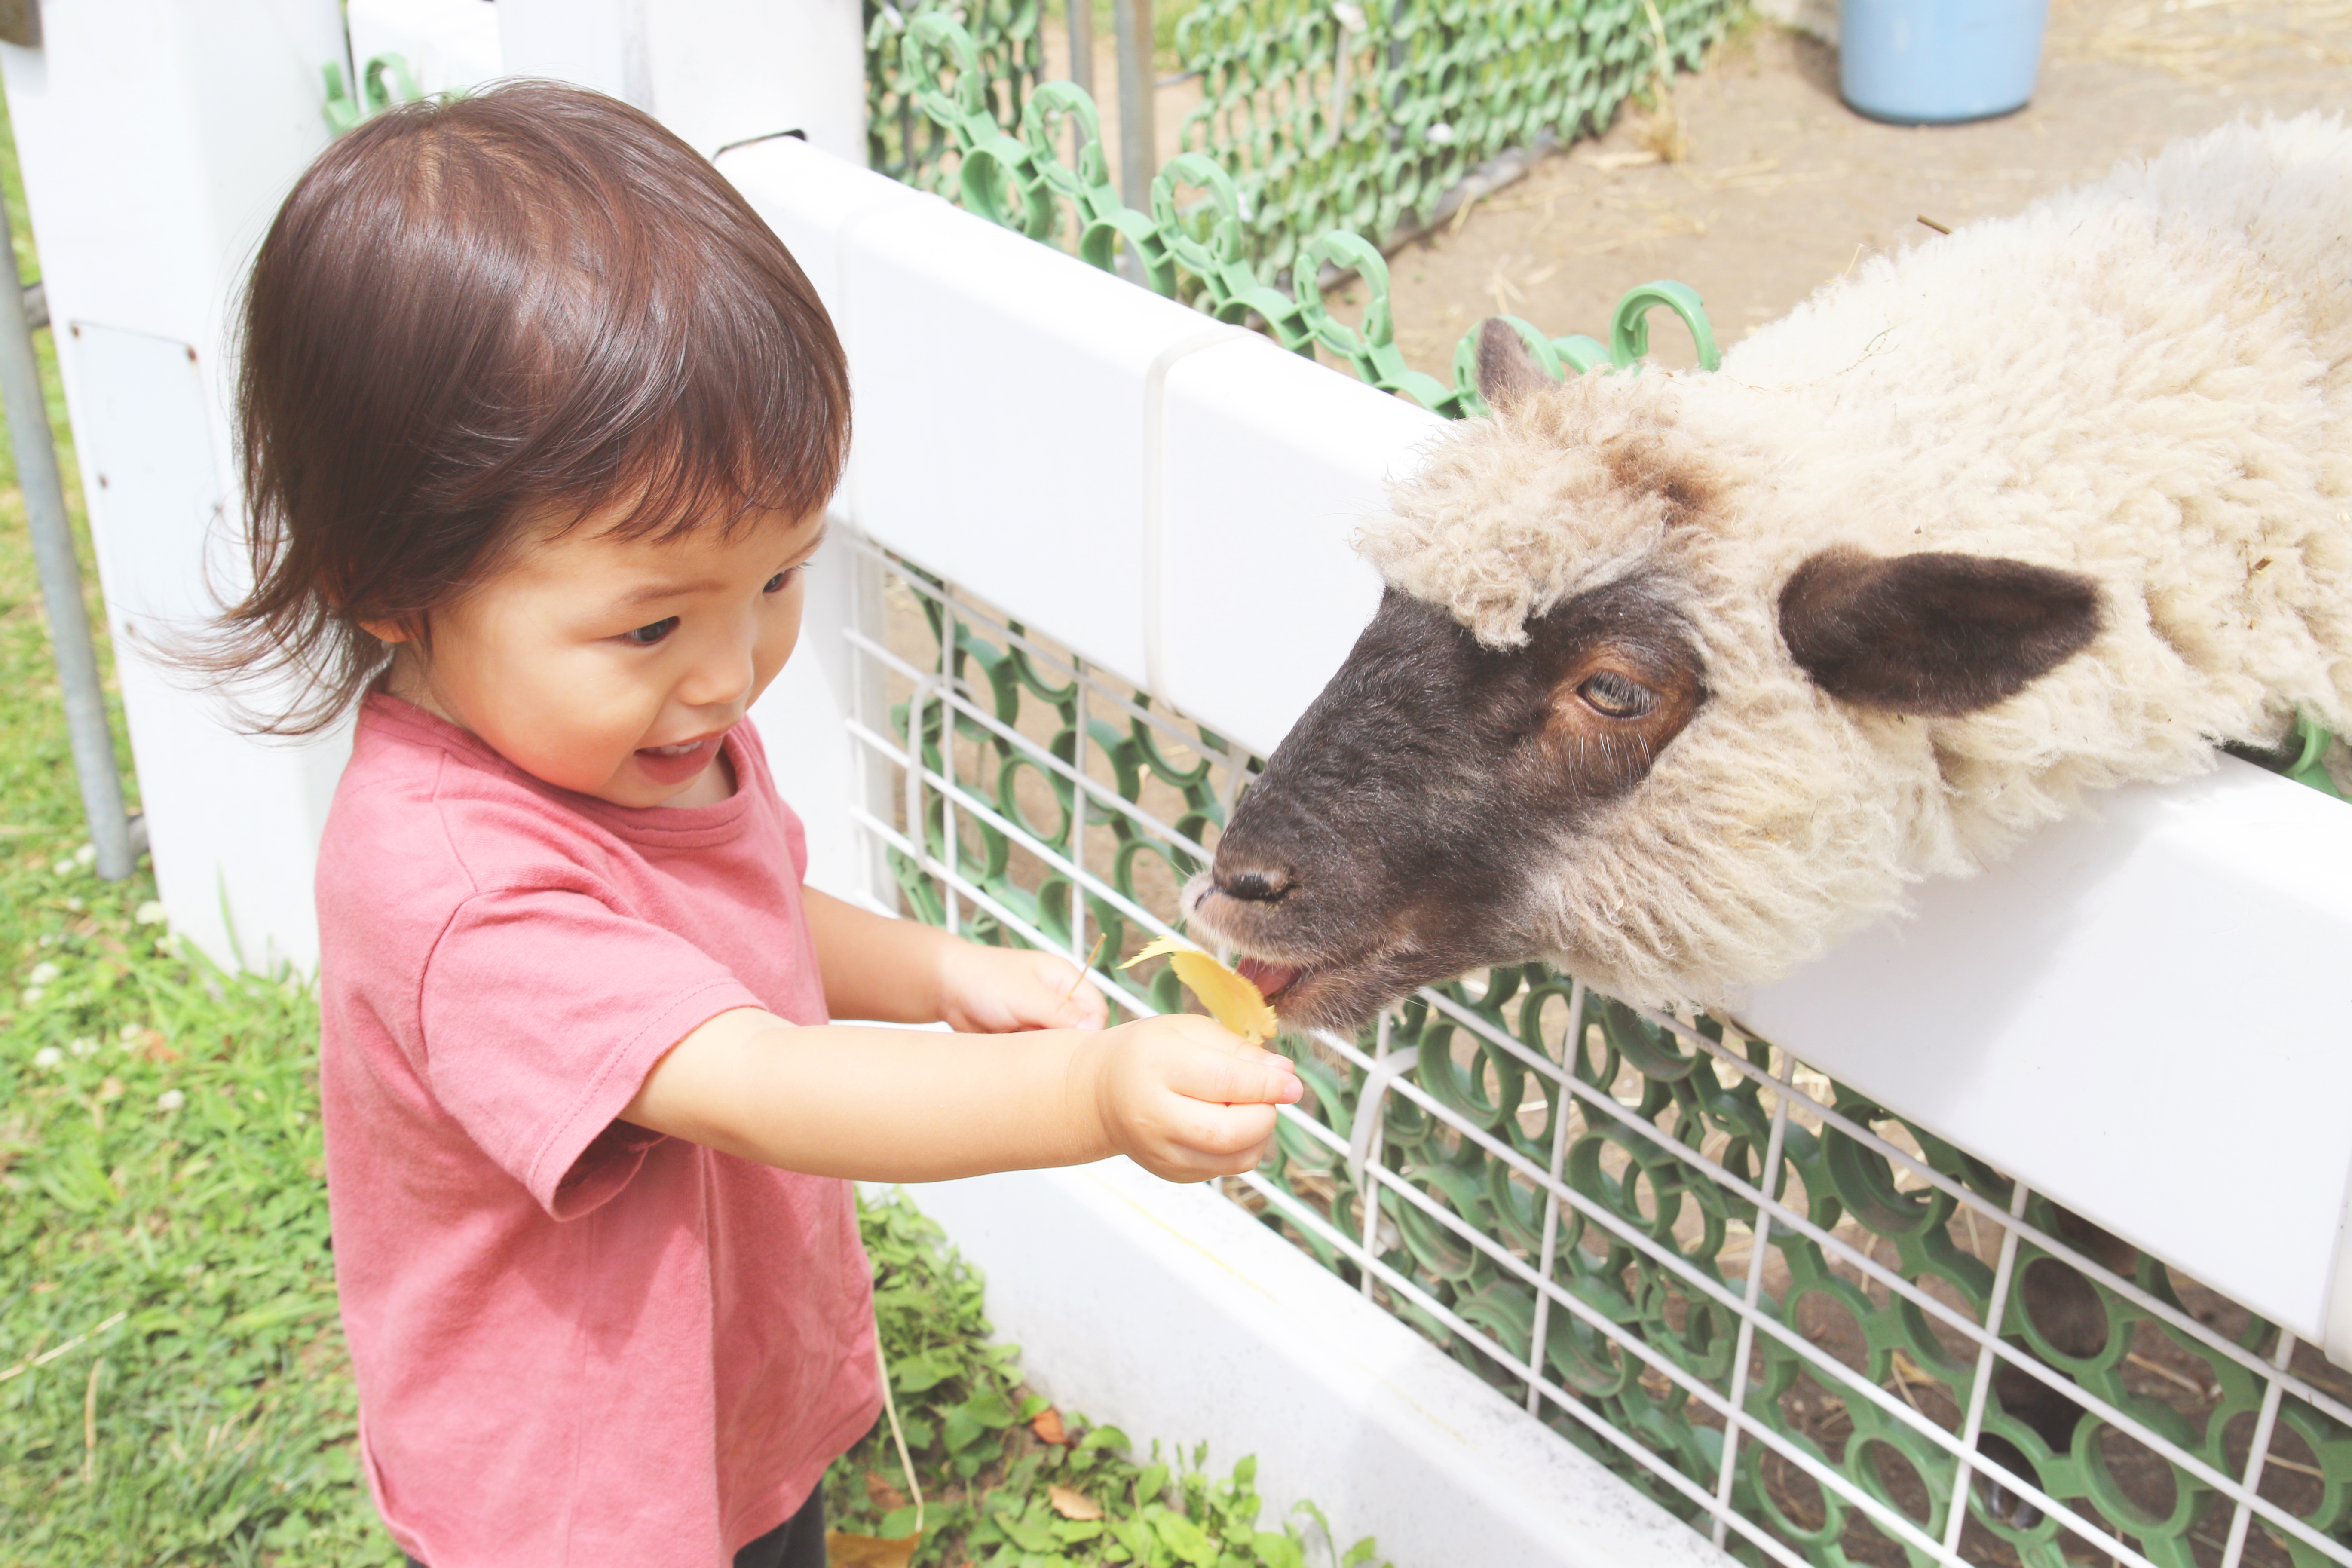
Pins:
x: 1011, y: 1483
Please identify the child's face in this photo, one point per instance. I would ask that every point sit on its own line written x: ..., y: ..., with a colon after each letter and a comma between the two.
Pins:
x: 612, y: 667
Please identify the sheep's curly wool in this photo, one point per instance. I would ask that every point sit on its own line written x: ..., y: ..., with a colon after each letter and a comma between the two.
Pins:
x: 2148, y: 381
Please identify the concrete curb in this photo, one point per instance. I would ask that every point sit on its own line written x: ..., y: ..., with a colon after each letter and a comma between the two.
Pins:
x: 1170, y: 1313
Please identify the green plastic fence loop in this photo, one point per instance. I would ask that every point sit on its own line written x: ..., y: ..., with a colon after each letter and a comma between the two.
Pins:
x: 1517, y: 1211
x: 1371, y: 353
x: 1629, y: 330
x: 2117, y: 1503
x: 1347, y: 252
x: 1584, y: 1360
x: 1864, y: 1184
x: 1458, y: 1087
x: 1766, y: 1499
x: 999, y: 185
x: 1097, y: 246
x: 341, y: 110
x: 1048, y: 109
x: 344, y: 108
x: 937, y: 32
x: 376, y: 94
x: 1435, y: 1248
x: 1506, y: 1312
x: 2307, y: 768
x: 1209, y: 177
x: 1650, y: 1048
x: 1580, y: 354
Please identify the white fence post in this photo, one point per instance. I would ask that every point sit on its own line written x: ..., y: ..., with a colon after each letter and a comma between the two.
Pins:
x: 445, y: 43
x: 157, y: 137
x: 716, y: 72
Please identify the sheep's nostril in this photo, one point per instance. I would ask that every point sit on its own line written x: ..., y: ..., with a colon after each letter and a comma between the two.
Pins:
x: 1255, y: 887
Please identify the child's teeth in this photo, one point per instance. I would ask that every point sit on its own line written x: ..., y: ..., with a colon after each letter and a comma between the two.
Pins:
x: 677, y: 750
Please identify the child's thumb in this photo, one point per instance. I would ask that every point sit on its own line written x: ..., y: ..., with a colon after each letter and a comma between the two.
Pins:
x: 1245, y: 1076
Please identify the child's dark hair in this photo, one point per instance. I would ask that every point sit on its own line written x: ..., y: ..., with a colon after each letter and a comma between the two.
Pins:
x: 532, y: 298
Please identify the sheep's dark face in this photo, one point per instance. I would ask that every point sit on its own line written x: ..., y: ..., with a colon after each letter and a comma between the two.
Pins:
x: 1401, y: 831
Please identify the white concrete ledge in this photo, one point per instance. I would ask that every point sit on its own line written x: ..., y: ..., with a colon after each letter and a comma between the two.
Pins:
x: 2138, y: 1005
x: 1170, y: 1313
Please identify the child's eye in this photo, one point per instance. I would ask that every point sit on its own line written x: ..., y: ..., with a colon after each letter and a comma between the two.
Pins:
x: 651, y: 633
x: 775, y: 584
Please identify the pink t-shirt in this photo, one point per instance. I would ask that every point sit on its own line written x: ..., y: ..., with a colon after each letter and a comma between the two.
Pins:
x: 576, y: 1341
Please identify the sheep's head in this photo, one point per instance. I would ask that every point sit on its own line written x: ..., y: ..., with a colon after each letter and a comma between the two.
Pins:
x: 1611, y: 712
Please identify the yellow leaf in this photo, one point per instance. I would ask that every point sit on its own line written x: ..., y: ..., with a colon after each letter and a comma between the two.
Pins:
x: 842, y: 1550
x: 1165, y: 945
x: 1073, y: 1505
x: 1230, y: 1000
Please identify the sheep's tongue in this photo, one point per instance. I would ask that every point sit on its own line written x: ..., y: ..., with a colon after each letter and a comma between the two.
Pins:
x: 1271, y: 979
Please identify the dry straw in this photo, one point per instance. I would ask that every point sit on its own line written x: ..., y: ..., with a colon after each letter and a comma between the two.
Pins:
x: 2209, y: 40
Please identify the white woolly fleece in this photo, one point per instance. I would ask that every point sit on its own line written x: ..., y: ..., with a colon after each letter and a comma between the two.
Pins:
x: 2148, y: 381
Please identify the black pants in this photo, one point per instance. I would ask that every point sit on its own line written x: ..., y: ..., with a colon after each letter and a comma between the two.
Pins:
x: 798, y: 1542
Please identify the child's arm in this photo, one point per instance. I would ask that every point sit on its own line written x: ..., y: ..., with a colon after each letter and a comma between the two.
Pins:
x: 904, y: 972
x: 1181, y: 1096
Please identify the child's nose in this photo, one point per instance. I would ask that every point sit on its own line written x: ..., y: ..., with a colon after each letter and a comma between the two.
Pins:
x: 722, y: 677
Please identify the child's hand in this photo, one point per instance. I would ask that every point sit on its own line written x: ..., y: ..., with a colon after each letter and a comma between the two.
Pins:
x: 1185, y: 1099
x: 997, y: 990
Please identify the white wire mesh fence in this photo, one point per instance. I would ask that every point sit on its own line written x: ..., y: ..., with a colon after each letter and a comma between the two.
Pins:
x: 1816, y: 1331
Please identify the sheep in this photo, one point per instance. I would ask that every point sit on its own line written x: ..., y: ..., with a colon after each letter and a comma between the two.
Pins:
x: 1678, y: 678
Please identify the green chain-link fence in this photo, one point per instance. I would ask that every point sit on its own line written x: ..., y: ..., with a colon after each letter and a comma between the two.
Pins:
x: 1322, y: 115
x: 1009, y: 60
x: 1363, y: 116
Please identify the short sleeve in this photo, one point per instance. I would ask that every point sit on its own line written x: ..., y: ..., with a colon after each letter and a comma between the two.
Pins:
x: 542, y: 1011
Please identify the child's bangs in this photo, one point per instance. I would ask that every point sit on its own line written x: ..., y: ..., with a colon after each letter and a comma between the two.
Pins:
x: 694, y: 376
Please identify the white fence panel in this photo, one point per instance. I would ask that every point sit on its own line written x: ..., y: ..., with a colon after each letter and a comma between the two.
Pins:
x: 2141, y: 1011
x: 156, y: 139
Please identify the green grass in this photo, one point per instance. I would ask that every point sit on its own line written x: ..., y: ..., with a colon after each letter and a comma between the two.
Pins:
x: 990, y: 1478
x: 175, y: 1388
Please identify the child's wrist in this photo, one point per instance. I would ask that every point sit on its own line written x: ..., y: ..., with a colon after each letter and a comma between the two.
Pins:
x: 1092, y: 1116
x: 945, y: 949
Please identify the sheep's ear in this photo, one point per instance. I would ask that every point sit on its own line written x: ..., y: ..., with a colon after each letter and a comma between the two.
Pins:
x: 1508, y: 371
x: 1933, y: 633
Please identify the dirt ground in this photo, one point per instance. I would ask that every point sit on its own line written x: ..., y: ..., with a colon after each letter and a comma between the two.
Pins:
x: 1784, y: 187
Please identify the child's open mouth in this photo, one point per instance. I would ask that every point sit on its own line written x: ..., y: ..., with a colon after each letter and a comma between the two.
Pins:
x: 677, y: 763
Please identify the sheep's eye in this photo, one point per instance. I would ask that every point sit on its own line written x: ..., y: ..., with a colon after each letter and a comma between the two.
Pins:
x: 1617, y: 696
x: 651, y: 633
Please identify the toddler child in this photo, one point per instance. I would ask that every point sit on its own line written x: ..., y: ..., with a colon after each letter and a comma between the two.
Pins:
x: 539, y: 423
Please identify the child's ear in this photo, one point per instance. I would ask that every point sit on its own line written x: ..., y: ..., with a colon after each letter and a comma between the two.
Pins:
x: 389, y: 631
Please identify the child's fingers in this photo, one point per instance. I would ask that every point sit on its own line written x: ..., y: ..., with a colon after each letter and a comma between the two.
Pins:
x: 1082, y: 1009
x: 1076, y: 1004
x: 1233, y: 1072
x: 1220, y: 1141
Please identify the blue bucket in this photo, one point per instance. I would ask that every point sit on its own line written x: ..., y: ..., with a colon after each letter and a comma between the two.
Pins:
x: 1939, y: 62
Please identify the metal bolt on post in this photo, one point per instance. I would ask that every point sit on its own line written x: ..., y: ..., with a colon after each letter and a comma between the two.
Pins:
x: 111, y: 828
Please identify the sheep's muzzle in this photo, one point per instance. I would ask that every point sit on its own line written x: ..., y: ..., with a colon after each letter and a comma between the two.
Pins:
x: 1404, y: 830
